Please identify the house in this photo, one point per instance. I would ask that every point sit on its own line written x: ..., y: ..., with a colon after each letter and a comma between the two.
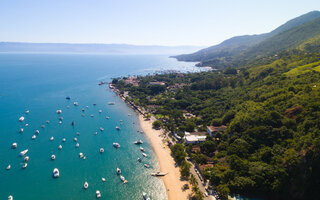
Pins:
x: 157, y: 83
x: 195, y: 137
x: 212, y: 130
x: 132, y: 80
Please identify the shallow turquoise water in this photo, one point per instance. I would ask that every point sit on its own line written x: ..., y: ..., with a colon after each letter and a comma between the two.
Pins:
x: 40, y: 83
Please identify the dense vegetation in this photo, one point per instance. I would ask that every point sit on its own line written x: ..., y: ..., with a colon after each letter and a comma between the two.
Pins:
x: 271, y: 107
x: 296, y: 33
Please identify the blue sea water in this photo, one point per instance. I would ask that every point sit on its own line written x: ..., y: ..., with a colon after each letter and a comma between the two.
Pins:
x: 40, y: 83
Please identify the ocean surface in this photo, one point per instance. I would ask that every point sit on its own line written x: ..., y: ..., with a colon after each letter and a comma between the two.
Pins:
x: 40, y: 83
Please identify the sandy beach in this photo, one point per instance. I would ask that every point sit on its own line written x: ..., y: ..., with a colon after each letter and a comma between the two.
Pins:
x: 172, y: 180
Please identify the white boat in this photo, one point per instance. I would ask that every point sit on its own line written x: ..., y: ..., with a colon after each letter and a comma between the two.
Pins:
x: 14, y: 145
x: 52, y: 138
x: 145, y: 196
x: 98, y: 194
x: 10, y: 197
x: 75, y: 103
x: 116, y: 145
x: 60, y: 122
x: 100, y: 111
x: 60, y: 147
x: 118, y: 128
x: 63, y: 139
x: 27, y: 111
x: 145, y: 155
x: 22, y: 153
x: 8, y: 167
x: 24, y: 166
x: 118, y: 171
x: 107, y: 117
x: 141, y: 149
x: 80, y: 155
x: 21, y: 130
x: 47, y: 121
x: 147, y: 166
x: 21, y: 119
x: 103, y: 179
x: 86, y: 185
x: 82, y: 109
x: 37, y: 131
x: 87, y: 106
x: 77, y: 145
x: 34, y: 137
x: 26, y: 159
x: 138, y: 142
x: 42, y: 126
x: 101, y: 150
x: 59, y: 111
x: 101, y: 129
x: 95, y: 133
x: 53, y: 157
x: 56, y: 173
x: 68, y: 107
x: 92, y: 115
x: 75, y: 139
x: 78, y: 133
x: 122, y: 178
x: 84, y: 157
x: 139, y: 159
x: 26, y: 125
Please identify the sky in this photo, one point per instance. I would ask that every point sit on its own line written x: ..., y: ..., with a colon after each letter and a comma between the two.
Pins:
x: 144, y: 22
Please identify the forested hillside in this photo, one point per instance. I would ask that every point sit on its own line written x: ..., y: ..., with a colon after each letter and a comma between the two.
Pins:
x: 271, y: 148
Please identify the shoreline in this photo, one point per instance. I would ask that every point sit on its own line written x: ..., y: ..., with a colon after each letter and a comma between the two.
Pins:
x: 172, y: 181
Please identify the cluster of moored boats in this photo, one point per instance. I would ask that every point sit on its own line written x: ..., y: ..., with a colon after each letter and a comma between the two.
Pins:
x: 56, y: 172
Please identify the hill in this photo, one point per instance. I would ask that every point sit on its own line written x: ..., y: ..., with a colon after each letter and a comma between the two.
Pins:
x: 223, y: 55
x: 93, y: 48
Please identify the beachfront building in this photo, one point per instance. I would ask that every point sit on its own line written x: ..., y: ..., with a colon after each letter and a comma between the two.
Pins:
x: 212, y: 130
x: 195, y: 137
x: 157, y: 83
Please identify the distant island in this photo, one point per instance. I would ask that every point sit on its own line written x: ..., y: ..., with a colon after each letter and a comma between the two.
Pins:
x: 24, y: 47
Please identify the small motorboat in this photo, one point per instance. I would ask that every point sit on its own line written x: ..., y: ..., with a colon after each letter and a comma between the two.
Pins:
x: 118, y: 128
x: 59, y: 111
x: 27, y: 111
x: 92, y: 115
x: 78, y: 133
x: 52, y: 138
x: 87, y: 106
x: 56, y: 173
x: 145, y: 155
x: 53, y: 157
x: 8, y: 167
x: 94, y: 104
x: 63, y: 139
x: 122, y: 178
x: 111, y: 103
x: 138, y: 142
x: 26, y: 125
x: 84, y: 157
x: 77, y: 145
x: 60, y: 147
x: 60, y: 118
x: 42, y: 126
x: 101, y: 150
x: 68, y: 98
x: 75, y: 139
x: 86, y: 185
x: 10, y: 197
x: 25, y: 165
x: 75, y: 103
x: 14, y: 145
x: 116, y: 145
x: 68, y: 107
x: 141, y: 149
x: 82, y: 109
x: 80, y: 155
x: 37, y: 132
x: 95, y: 133
x: 101, y: 129
x: 100, y: 111
x: 24, y: 152
x: 26, y: 159
x: 72, y: 123
x: 139, y: 159
x: 107, y: 117
x: 34, y: 137
x: 21, y: 130
x: 47, y: 121
x: 21, y: 119
x: 145, y: 196
x: 60, y: 122
x: 118, y: 171
x: 103, y: 179
x: 146, y: 166
x: 98, y: 194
